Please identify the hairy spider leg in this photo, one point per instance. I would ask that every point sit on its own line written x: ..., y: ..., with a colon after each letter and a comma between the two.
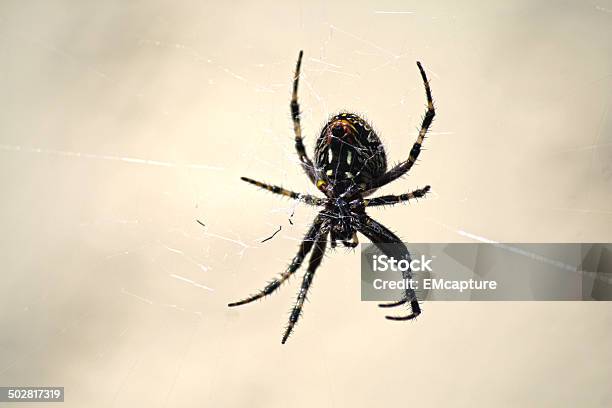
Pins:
x: 379, y: 234
x: 305, y: 198
x: 315, y: 260
x: 305, y: 247
x: 297, y: 127
x: 403, y: 167
x: 395, y: 199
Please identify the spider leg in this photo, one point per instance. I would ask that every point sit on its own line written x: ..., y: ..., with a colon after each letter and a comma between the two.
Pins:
x: 393, y: 304
x: 297, y: 127
x: 379, y: 234
x: 305, y: 198
x: 395, y: 199
x: 403, y: 167
x: 315, y: 260
x: 274, y: 284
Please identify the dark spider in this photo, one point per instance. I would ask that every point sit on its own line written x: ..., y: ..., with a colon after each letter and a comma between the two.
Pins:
x: 350, y: 164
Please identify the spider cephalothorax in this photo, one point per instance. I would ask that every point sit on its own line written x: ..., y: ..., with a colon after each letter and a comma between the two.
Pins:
x: 350, y: 163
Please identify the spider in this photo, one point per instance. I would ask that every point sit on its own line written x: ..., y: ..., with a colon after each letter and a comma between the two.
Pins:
x: 349, y: 164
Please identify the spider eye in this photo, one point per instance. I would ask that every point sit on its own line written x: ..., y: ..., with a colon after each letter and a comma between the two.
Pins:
x: 338, y: 131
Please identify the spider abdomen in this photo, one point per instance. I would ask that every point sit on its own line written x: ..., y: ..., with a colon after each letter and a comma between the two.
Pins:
x: 348, y: 152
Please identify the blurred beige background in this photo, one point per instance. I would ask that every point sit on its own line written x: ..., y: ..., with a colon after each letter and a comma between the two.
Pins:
x: 124, y: 122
